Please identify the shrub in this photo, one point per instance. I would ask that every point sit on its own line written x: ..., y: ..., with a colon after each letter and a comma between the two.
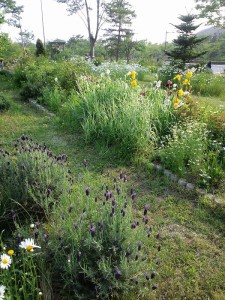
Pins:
x: 97, y: 247
x: 32, y: 180
x: 4, y: 103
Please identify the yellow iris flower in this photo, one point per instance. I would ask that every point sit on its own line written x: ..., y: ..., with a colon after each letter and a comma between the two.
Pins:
x: 180, y: 92
x: 178, y: 77
x: 133, y: 74
x: 189, y: 74
x: 134, y: 82
x: 186, y: 81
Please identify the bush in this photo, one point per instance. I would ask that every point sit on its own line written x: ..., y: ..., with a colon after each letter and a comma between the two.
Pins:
x: 32, y: 180
x: 4, y: 103
x: 97, y: 247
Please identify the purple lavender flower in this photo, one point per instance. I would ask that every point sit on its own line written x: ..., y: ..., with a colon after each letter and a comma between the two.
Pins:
x: 146, y: 210
x: 118, y: 190
x: 121, y: 174
x: 133, y: 196
x: 139, y: 246
x: 113, y: 201
x: 123, y: 212
x: 85, y: 163
x: 36, y: 233
x: 75, y: 225
x: 118, y: 274
x: 136, y: 256
x: 155, y: 286
x: 159, y: 248
x: 87, y: 190
x: 78, y: 256
x: 70, y: 208
x: 92, y: 230
x: 153, y: 274
x: 46, y: 238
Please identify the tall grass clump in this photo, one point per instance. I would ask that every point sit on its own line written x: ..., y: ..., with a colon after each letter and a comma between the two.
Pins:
x: 32, y: 181
x: 96, y: 247
x: 118, y: 114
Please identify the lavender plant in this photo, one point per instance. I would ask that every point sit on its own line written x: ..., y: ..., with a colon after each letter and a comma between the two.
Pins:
x: 32, y: 179
x: 100, y: 248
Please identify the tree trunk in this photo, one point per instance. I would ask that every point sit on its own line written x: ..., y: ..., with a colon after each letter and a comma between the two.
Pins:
x: 92, y: 47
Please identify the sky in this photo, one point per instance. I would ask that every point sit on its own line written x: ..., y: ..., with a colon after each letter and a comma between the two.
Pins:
x: 152, y: 22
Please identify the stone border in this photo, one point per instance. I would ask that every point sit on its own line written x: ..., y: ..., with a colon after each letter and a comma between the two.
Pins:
x: 187, y: 185
x: 41, y: 107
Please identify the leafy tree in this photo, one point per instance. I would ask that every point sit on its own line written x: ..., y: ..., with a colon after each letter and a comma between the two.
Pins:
x: 186, y: 44
x: 9, y: 8
x: 213, y: 10
x: 40, y: 50
x: 119, y: 34
x: 83, y: 9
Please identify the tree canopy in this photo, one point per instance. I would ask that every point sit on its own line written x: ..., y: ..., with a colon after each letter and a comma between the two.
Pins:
x: 85, y: 10
x: 213, y: 11
x: 186, y: 44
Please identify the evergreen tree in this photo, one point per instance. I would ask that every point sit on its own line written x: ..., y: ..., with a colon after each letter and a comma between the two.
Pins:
x: 119, y: 34
x: 186, y: 45
x: 40, y: 50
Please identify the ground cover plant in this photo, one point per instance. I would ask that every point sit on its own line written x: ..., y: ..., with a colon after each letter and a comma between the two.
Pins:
x: 186, y: 227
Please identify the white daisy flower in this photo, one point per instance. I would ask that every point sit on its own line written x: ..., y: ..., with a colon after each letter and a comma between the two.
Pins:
x: 2, y: 291
x: 28, y: 244
x: 5, y: 261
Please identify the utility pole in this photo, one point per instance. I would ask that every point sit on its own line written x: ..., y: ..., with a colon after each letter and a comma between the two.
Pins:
x: 43, y: 26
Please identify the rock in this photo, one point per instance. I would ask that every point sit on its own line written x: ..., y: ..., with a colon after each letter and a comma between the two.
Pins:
x: 182, y: 182
x: 190, y: 186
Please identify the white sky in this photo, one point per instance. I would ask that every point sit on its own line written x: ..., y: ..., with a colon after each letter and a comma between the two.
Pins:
x: 152, y: 22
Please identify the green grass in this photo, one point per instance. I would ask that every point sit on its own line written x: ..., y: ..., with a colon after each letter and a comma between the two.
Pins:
x: 211, y: 102
x: 191, y: 227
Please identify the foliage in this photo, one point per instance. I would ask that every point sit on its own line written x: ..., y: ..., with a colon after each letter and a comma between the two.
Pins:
x: 41, y: 74
x: 119, y: 15
x: 189, y: 152
x: 186, y: 44
x: 4, y: 103
x: 40, y: 50
x: 100, y: 247
x: 121, y: 114
x: 9, y: 7
x: 212, y: 10
x: 207, y: 84
x: 28, y: 178
x: 83, y: 7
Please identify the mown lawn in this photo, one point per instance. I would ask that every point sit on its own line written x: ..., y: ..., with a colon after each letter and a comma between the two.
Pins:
x: 191, y: 227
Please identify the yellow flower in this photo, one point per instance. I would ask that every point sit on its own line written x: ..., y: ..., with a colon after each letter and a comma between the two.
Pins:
x: 129, y: 73
x: 189, y: 74
x: 133, y: 74
x: 180, y: 92
x: 10, y: 252
x: 134, y: 82
x: 175, y: 105
x: 176, y: 100
x: 178, y: 77
x: 186, y: 81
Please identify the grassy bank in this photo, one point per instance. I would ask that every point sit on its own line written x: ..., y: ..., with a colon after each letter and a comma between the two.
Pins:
x: 189, y: 227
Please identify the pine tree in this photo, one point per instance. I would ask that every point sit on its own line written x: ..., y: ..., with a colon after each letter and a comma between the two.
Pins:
x: 186, y: 45
x: 40, y: 50
x: 119, y: 16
